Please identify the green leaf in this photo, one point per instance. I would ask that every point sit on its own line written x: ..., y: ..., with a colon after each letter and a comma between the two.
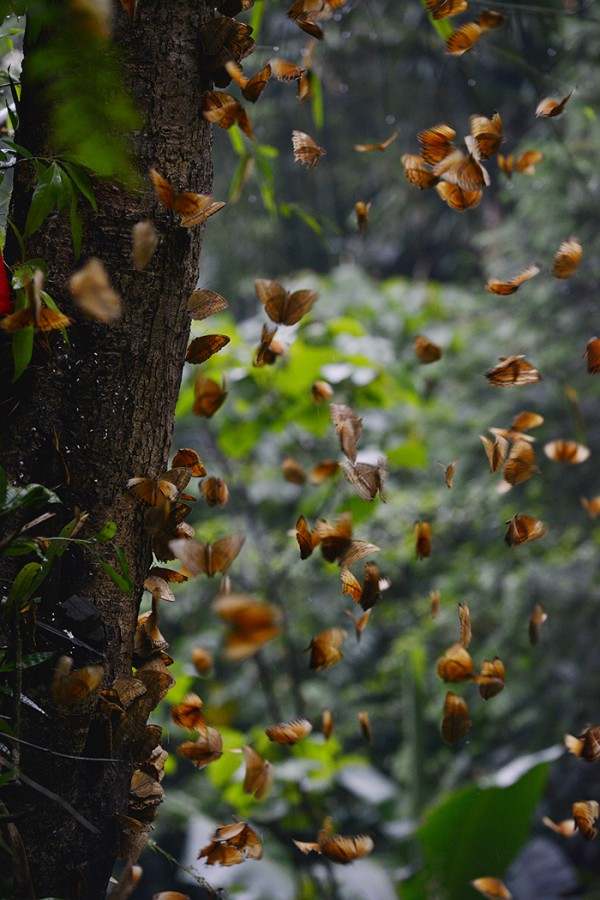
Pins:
x: 317, y: 105
x: 22, y: 349
x: 410, y: 455
x: 116, y: 577
x: 106, y: 533
x: 237, y: 141
x: 83, y: 183
x: 45, y: 197
x: 24, y: 582
x: 35, y: 495
x: 124, y: 568
x: 472, y: 832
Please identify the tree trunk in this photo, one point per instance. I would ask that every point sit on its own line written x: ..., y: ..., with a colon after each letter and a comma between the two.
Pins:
x: 84, y: 419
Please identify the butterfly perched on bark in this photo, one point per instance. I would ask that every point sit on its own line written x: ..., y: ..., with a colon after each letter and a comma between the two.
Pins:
x: 192, y: 208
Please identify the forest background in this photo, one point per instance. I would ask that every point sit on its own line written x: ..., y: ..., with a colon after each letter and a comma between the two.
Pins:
x: 436, y: 815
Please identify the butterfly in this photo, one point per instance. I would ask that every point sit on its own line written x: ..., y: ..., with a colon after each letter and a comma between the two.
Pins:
x: 281, y: 306
x: 567, y: 451
x: 259, y: 775
x: 348, y: 428
x: 223, y: 39
x: 449, y: 471
x: 368, y: 148
x: 370, y: 592
x: 422, y: 539
x: 231, y: 844
x: 190, y: 460
x: 203, y: 303
x: 464, y: 618
x: 444, y: 9
x: 253, y: 87
x: 187, y: 714
x: 426, y: 351
x: 269, y: 348
x: 306, y: 149
x: 202, y: 348
x: 592, y: 351
x: 207, y: 748
x: 456, y: 665
x: 208, y: 396
x: 567, y: 258
x: 145, y: 241
x: 215, y: 491
x: 456, y: 720
x: 491, y: 678
x: 362, y: 210
x: 224, y: 110
x: 208, y: 559
x: 512, y: 370
x: 192, y: 208
x: 252, y: 623
x: 286, y: 71
x: 338, y: 848
x: 521, y: 463
x: 522, y: 528
x: 92, y: 292
x: 586, y: 745
x: 550, y: 107
x: 504, y: 288
x: 437, y: 143
x: 487, y: 134
x: 491, y: 888
x: 366, y: 479
x: 417, y: 172
x: 524, y: 164
x: 289, y: 732
x: 40, y: 312
x: 465, y: 171
x: 325, y: 648
x: 536, y: 620
x: 167, y: 487
x: 457, y: 198
x: 585, y: 813
x: 495, y: 450
x: 71, y: 685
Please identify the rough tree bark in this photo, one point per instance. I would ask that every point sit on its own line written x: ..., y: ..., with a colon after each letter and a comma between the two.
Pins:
x: 84, y: 419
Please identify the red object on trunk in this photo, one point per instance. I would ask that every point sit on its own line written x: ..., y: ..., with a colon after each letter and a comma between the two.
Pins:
x: 6, y: 305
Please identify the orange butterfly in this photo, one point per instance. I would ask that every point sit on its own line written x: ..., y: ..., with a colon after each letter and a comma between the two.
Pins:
x: 286, y: 71
x: 522, y: 528
x: 368, y: 148
x: 362, y: 210
x: 536, y: 620
x: 208, y: 396
x: 456, y: 665
x: 492, y: 888
x: 521, y: 463
x: 348, y: 428
x: 437, y: 143
x: 592, y: 351
x: 289, y: 732
x: 253, y: 87
x: 224, y: 110
x: 456, y: 721
x: 491, y: 679
x: 306, y: 149
x: 567, y: 451
x: 585, y: 813
x: 203, y: 303
x: 567, y: 258
x: 512, y: 370
x: 282, y: 307
x: 457, y: 198
x: 586, y: 745
x: 215, y: 492
x: 504, y: 288
x: 202, y: 348
x: 325, y: 648
x: 193, y: 208
x: 426, y: 350
x: 260, y: 773
x: 550, y: 107
x: 444, y: 9
x: 417, y: 172
x: 208, y: 558
x: 487, y: 134
x: 366, y: 479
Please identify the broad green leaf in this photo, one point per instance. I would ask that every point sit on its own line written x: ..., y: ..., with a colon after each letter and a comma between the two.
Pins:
x: 24, y: 582
x: 474, y: 831
x: 124, y: 569
x: 22, y: 349
x: 46, y: 196
x: 35, y: 495
x: 122, y: 583
x: 83, y: 183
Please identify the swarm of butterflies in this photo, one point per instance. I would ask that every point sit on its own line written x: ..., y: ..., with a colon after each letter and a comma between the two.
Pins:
x: 459, y: 177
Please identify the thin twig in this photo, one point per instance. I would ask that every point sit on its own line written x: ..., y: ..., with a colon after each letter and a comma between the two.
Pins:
x: 51, y: 795
x: 103, y: 759
x: 218, y: 893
